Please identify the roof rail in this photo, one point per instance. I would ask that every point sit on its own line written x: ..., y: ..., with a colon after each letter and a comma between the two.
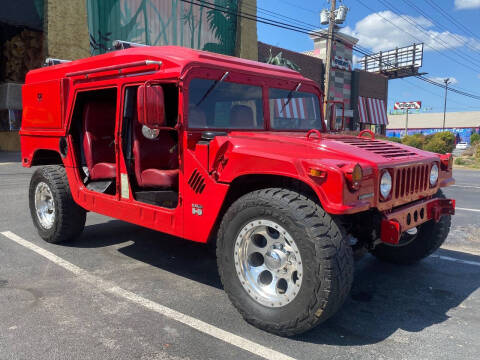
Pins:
x: 52, y: 61
x: 121, y: 45
x: 119, y: 67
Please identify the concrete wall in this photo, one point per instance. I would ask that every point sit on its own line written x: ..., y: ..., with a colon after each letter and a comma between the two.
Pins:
x: 246, y: 32
x: 66, y: 29
x: 9, y: 141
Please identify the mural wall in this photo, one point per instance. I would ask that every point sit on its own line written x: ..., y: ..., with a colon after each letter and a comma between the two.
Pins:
x: 162, y: 22
x: 461, y: 134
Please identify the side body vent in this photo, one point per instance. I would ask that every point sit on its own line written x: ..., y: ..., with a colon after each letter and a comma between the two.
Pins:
x: 197, y: 182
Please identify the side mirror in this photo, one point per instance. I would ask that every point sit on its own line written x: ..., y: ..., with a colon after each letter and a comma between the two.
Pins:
x: 151, y: 106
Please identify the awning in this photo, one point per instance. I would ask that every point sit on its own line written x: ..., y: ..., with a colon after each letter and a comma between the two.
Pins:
x: 377, y: 111
x: 372, y: 111
x: 362, y: 110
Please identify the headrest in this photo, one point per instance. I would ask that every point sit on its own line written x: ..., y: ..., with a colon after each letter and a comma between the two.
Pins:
x: 241, y: 116
x: 99, y: 115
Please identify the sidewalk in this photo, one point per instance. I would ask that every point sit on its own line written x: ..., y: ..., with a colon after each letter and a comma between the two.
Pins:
x: 9, y: 157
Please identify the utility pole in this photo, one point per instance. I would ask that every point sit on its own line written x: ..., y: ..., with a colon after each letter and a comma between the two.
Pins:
x: 406, y: 124
x: 445, y: 103
x: 328, y: 65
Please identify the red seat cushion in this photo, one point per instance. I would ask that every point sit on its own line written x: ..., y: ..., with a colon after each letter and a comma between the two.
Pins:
x: 156, y: 160
x: 103, y: 171
x: 159, y: 178
x: 98, y: 139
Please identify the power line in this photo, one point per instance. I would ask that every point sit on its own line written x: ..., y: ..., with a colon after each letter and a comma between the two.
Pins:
x: 424, y: 30
x: 413, y: 36
x: 451, y: 18
x: 303, y: 30
x: 424, y: 89
x: 440, y: 25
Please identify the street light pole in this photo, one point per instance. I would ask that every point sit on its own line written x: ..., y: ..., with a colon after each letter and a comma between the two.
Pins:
x: 328, y: 65
x: 445, y: 103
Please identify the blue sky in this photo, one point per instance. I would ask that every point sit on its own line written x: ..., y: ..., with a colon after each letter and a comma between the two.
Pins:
x: 451, y: 50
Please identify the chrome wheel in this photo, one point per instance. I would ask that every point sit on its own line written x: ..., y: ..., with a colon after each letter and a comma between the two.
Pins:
x: 268, y: 263
x: 44, y: 205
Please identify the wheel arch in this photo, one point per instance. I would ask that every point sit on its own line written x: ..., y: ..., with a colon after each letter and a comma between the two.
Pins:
x: 244, y: 184
x: 46, y: 157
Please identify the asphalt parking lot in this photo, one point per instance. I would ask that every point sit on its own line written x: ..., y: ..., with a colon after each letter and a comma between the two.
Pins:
x: 124, y: 292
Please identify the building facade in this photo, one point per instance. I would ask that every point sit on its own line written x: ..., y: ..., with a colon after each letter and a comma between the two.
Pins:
x: 361, y: 94
x: 461, y: 124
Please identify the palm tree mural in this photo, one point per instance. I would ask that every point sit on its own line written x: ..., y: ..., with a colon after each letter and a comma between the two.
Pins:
x: 163, y: 22
x: 224, y: 27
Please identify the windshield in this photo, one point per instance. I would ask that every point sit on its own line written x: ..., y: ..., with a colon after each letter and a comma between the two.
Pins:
x: 213, y: 104
x: 299, y: 111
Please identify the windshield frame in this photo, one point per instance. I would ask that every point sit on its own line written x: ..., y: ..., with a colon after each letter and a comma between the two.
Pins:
x: 253, y: 79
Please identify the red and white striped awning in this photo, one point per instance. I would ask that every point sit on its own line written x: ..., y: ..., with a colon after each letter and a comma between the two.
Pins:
x: 362, y: 109
x: 297, y: 108
x: 372, y: 111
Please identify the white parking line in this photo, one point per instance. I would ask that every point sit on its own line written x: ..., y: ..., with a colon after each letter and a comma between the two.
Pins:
x: 467, y: 209
x: 466, y: 186
x: 190, y: 321
x: 448, y: 258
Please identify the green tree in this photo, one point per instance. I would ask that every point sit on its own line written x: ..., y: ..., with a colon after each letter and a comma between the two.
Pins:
x: 395, y: 139
x: 474, y: 139
x: 448, y: 138
x: 415, y: 140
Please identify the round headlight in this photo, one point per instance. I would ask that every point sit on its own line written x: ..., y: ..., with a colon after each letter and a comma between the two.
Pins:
x: 385, y: 184
x: 433, y: 174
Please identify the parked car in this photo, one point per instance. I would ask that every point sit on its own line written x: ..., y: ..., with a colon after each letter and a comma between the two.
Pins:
x: 235, y: 153
x: 462, y: 146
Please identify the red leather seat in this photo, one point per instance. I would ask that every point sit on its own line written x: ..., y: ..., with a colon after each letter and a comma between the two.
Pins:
x: 156, y: 161
x: 241, y: 117
x: 98, y: 139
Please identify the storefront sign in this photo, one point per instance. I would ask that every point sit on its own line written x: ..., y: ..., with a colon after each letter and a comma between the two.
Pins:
x: 342, y: 63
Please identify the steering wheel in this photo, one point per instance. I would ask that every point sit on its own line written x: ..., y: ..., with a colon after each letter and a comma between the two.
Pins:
x: 367, y: 131
x: 314, y: 131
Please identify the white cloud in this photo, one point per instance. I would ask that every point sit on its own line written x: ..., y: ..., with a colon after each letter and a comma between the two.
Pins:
x: 441, y: 80
x: 467, y: 4
x: 377, y: 32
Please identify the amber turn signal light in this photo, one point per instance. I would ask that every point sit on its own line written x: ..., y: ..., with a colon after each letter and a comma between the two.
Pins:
x: 317, y: 173
x: 354, y: 177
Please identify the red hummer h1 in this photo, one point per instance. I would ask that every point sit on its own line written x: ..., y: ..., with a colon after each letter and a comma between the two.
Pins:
x: 234, y: 153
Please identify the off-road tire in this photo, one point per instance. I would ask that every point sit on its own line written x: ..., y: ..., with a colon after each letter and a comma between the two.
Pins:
x: 326, y: 256
x: 69, y: 218
x: 429, y: 238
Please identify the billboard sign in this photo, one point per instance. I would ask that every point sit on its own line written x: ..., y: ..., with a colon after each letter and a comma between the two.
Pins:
x: 407, y: 105
x: 395, y: 63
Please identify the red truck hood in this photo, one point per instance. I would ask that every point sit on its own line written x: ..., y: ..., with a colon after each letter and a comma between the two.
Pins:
x: 330, y: 146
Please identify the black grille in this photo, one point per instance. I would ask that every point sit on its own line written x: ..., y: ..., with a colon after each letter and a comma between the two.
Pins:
x: 197, y: 182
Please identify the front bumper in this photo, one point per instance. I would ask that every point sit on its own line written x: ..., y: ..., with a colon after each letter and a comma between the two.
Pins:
x: 409, y: 216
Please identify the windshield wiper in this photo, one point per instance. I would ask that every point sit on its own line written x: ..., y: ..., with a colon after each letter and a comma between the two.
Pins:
x: 289, y: 96
x: 211, y: 88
